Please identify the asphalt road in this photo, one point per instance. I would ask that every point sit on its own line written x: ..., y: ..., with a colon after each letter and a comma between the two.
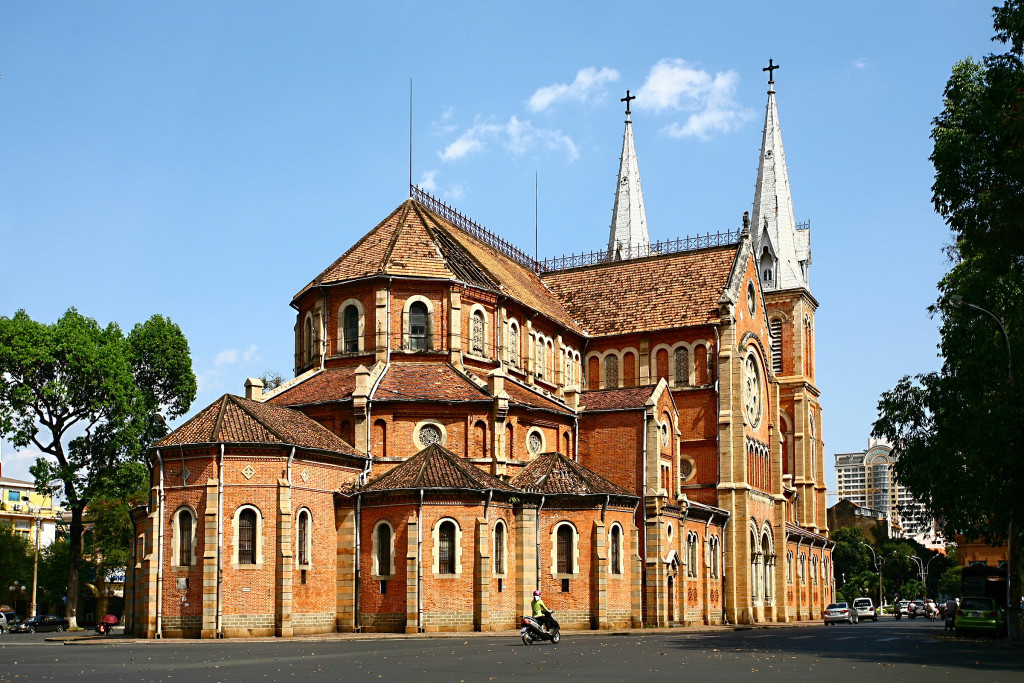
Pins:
x: 886, y: 650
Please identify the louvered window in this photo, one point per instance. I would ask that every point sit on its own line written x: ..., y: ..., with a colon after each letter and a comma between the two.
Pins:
x: 351, y: 329
x: 384, y: 550
x: 446, y: 548
x: 776, y: 332
x: 184, y: 538
x: 682, y: 367
x: 565, y: 549
x: 247, y: 537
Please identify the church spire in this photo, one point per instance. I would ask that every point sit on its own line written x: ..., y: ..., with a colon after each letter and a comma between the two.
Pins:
x: 628, y: 237
x: 783, y: 250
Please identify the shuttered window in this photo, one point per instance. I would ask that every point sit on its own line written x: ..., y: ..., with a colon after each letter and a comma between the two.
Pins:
x: 351, y: 329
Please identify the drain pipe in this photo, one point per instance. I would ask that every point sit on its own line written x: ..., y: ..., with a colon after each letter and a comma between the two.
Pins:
x: 419, y: 565
x: 160, y: 550
x: 288, y: 467
x: 721, y: 563
x: 220, y: 543
x: 539, y: 508
x: 643, y: 489
x: 358, y: 584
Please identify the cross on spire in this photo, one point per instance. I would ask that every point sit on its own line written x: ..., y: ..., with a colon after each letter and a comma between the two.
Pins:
x: 771, y: 72
x: 627, y: 99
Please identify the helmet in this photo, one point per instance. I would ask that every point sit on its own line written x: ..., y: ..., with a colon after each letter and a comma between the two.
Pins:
x: 536, y: 594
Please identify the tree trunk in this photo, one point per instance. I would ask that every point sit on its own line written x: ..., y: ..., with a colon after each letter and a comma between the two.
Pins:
x: 74, y: 564
x: 1014, y: 627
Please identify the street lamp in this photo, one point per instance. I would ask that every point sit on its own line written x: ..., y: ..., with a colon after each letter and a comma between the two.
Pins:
x: 35, y: 562
x: 874, y: 560
x: 17, y: 589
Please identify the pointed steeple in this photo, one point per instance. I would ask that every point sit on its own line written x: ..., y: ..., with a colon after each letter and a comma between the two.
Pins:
x: 782, y: 250
x: 628, y: 237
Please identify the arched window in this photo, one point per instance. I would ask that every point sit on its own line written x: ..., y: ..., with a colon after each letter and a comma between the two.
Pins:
x: 479, y: 440
x: 307, y: 340
x: 691, y: 554
x: 775, y: 327
x: 568, y: 369
x: 247, y: 536
x: 476, y: 333
x: 513, y: 344
x: 661, y: 365
x: 615, y: 553
x: 713, y: 551
x: 814, y: 570
x: 682, y: 366
x: 628, y: 370
x: 566, y: 445
x: 419, y: 325
x: 538, y: 365
x: 594, y: 373
x: 766, y: 567
x: 509, y: 442
x: 611, y: 371
x: 380, y: 438
x: 185, y: 538
x: 304, y: 537
x: 789, y: 566
x: 700, y: 365
x: 499, y: 548
x: 565, y: 549
x: 383, y: 541
x: 446, y: 548
x: 350, y: 329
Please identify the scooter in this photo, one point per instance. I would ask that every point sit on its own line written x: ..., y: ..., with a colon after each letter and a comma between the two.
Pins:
x: 104, y: 629
x: 531, y: 630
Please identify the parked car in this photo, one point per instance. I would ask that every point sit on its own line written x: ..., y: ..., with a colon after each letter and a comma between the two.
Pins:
x: 839, y: 612
x: 8, y: 620
x: 41, y: 622
x: 904, y: 607
x: 980, y: 614
x: 865, y: 609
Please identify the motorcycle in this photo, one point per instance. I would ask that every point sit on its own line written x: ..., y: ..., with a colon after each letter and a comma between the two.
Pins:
x: 104, y: 629
x: 531, y: 630
x: 912, y: 611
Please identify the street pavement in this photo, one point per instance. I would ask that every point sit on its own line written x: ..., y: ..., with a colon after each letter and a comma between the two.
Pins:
x: 886, y: 650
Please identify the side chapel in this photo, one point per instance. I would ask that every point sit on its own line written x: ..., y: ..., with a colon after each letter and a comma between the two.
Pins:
x: 637, y: 433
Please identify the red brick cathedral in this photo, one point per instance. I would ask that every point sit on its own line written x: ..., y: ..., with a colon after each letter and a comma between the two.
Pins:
x: 635, y: 432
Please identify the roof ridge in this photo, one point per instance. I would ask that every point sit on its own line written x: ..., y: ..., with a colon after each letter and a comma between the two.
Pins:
x: 427, y: 453
x: 263, y: 423
x: 217, y: 423
x: 399, y: 226
x: 437, y: 223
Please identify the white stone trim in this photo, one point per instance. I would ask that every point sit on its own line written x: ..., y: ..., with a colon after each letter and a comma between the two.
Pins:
x: 309, y: 538
x: 616, y: 569
x: 575, y: 550
x: 176, y: 564
x: 502, y: 526
x: 514, y: 356
x: 436, y: 536
x: 473, y: 310
x: 423, y: 423
x: 360, y: 332
x: 405, y: 318
x: 543, y: 442
x: 375, y: 573
x: 259, y: 537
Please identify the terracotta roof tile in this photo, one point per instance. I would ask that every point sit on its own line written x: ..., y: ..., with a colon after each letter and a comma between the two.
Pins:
x: 336, y: 384
x: 520, y: 394
x: 426, y: 382
x: 233, y: 419
x: 553, y: 473
x: 646, y: 294
x: 436, y: 468
x: 628, y: 398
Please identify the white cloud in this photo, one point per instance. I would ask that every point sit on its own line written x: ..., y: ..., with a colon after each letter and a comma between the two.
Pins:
x: 860, y: 63
x: 587, y: 86
x: 676, y: 86
x: 428, y: 181
x: 250, y: 354
x: 516, y: 136
x: 226, y: 357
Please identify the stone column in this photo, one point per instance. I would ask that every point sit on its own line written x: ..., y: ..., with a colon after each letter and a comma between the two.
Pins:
x: 526, y: 558
x: 381, y: 322
x: 150, y: 565
x: 482, y: 578
x: 211, y: 551
x: 412, y: 616
x: 283, y: 593
x: 599, y: 578
x: 636, y: 581
x: 657, y: 584
x: 360, y: 399
x: 455, y: 328
x: 347, y: 562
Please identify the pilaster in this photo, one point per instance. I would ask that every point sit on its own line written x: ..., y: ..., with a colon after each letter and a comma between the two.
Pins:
x: 599, y: 578
x: 283, y: 595
x: 412, y: 605
x: 482, y: 578
x: 382, y: 318
x: 210, y: 553
x: 455, y: 327
x: 346, y: 619
x: 526, y: 558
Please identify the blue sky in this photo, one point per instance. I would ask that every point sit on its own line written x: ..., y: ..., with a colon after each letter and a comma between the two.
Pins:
x: 205, y: 160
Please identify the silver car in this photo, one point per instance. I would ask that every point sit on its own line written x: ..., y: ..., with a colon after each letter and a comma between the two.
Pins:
x: 865, y: 609
x: 840, y: 612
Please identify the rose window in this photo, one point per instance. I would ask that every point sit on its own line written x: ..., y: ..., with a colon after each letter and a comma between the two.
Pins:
x: 534, y: 442
x: 429, y: 434
x: 752, y: 391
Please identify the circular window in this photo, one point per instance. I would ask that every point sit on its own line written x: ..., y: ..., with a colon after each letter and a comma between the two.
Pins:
x: 752, y: 391
x: 668, y: 531
x: 751, y: 297
x: 429, y: 434
x: 664, y: 435
x: 535, y: 442
x: 685, y: 468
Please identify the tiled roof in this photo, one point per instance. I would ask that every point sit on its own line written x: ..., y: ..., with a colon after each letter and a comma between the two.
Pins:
x: 426, y: 382
x: 628, y: 398
x: 436, y: 468
x: 520, y: 394
x: 16, y: 482
x: 415, y: 242
x: 233, y: 419
x: 646, y: 294
x: 553, y: 473
x: 330, y: 385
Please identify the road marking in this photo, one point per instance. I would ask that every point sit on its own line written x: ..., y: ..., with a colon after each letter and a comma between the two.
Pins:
x: 886, y: 640
x: 801, y: 637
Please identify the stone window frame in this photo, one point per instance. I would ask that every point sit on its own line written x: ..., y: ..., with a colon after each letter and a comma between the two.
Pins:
x: 616, y: 564
x: 423, y: 423
x: 375, y: 573
x: 235, y: 537
x: 176, y: 564
x: 514, y: 354
x: 543, y: 442
x: 751, y: 299
x: 574, y: 556
x: 768, y: 564
x: 406, y: 326
x: 475, y: 310
x: 692, y: 553
x: 140, y: 549
x: 435, y: 535
x: 801, y: 569
x: 361, y: 330
x: 308, y: 337
x: 500, y: 562
x: 775, y: 323
x: 622, y: 366
x: 693, y: 468
x: 304, y: 511
x: 789, y: 567
x: 814, y: 570
x: 714, y: 560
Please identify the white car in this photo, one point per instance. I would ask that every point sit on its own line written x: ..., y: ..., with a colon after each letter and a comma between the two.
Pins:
x: 865, y: 609
x: 839, y: 612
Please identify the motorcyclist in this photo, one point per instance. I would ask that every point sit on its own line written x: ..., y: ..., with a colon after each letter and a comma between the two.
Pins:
x: 539, y: 609
x: 951, y: 607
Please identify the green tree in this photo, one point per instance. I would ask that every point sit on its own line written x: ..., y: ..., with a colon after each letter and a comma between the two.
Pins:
x: 958, y: 432
x: 110, y: 514
x: 15, y: 561
x: 88, y: 397
x: 850, y: 557
x: 949, y: 582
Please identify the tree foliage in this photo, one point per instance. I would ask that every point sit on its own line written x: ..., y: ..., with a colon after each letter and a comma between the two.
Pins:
x: 15, y: 560
x: 88, y: 397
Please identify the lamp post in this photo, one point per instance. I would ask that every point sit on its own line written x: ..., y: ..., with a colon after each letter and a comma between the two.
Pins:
x: 874, y: 560
x: 38, y: 523
x: 17, y: 588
